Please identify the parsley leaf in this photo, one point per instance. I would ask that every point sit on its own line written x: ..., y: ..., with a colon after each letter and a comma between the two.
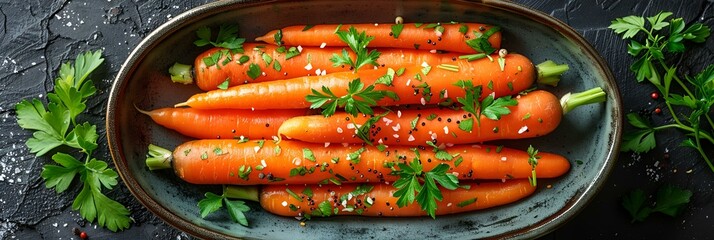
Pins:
x: 253, y: 71
x: 480, y: 43
x: 409, y: 187
x: 224, y: 84
x: 213, y: 202
x: 359, y: 99
x: 358, y: 43
x: 641, y: 140
x: 227, y: 38
x: 670, y: 200
x: 397, y: 29
x: 490, y: 107
x: 630, y: 26
x: 495, y: 108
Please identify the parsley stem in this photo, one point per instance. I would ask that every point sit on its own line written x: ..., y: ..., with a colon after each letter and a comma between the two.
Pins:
x: 241, y: 192
x: 674, y: 116
x: 686, y: 89
x: 159, y: 158
x: 701, y: 151
x: 571, y: 101
x: 181, y: 73
x: 704, y: 135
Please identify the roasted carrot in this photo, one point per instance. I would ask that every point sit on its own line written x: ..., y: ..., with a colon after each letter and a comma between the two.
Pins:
x: 277, y: 63
x: 293, y: 162
x: 537, y: 113
x: 223, y: 123
x: 518, y: 74
x: 375, y: 199
x: 412, y: 36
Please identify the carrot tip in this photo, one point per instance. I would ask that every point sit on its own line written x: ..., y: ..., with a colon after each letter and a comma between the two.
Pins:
x: 183, y: 104
x: 141, y: 111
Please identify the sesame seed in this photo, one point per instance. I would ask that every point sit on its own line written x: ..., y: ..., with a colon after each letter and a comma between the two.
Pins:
x: 395, y: 135
x: 448, y: 204
x: 523, y: 129
x: 297, y: 161
x: 387, y: 121
x: 504, y: 159
x: 423, y: 101
x: 432, y: 51
x: 299, y: 48
x: 446, y: 93
x: 285, y: 203
x: 339, y: 130
x: 262, y: 162
x: 399, y: 113
x: 323, y: 45
x: 409, y: 82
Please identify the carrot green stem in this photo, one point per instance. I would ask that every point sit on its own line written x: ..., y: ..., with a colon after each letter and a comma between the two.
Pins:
x: 574, y: 100
x: 549, y: 72
x: 181, y: 73
x: 158, y: 158
x: 241, y: 192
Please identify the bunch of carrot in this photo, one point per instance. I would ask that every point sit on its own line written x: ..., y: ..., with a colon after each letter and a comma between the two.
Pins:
x: 450, y: 87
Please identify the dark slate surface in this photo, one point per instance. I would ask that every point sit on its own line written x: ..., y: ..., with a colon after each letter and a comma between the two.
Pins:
x: 36, y: 35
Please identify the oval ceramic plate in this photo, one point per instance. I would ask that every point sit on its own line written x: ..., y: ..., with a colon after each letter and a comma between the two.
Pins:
x: 588, y: 136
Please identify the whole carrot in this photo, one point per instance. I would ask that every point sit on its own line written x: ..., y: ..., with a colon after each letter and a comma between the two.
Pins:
x: 271, y: 63
x: 536, y: 114
x: 375, y: 199
x: 415, y: 85
x: 293, y: 162
x: 446, y: 37
x: 223, y: 123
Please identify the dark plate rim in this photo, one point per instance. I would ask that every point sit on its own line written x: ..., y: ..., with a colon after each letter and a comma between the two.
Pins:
x: 537, y: 229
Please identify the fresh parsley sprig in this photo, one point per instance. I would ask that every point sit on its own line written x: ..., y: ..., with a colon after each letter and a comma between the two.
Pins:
x: 670, y: 200
x: 358, y: 43
x: 56, y: 126
x: 661, y: 39
x: 227, y: 38
x: 490, y: 107
x: 236, y: 208
x: 533, y: 161
x: 409, y: 185
x: 359, y: 99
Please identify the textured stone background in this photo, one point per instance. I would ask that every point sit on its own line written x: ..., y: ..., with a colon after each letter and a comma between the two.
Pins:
x: 36, y: 35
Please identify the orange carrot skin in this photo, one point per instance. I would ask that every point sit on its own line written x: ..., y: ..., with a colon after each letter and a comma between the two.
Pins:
x: 518, y: 75
x: 275, y: 199
x: 537, y: 113
x: 426, y: 38
x: 209, y: 77
x: 219, y: 161
x: 223, y: 123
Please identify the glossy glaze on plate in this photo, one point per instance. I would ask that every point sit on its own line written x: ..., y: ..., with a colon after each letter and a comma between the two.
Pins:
x: 589, y: 134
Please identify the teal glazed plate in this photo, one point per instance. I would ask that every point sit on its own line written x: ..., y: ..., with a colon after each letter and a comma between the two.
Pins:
x: 589, y: 136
